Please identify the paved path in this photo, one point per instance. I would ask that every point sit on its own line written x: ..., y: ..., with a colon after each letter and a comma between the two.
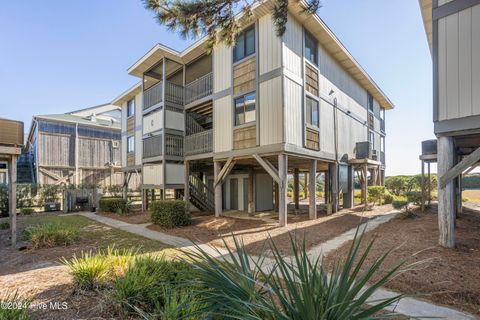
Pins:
x: 407, y: 306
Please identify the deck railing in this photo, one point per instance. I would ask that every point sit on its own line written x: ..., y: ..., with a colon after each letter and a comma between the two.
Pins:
x: 152, y: 147
x: 153, y: 95
x: 200, y: 88
x: 174, y: 145
x: 199, y: 143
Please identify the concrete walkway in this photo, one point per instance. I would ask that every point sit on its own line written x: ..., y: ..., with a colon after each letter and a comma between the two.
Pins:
x: 407, y: 306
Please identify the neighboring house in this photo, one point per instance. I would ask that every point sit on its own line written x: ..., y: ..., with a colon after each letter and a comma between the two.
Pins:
x: 453, y: 31
x: 81, y: 147
x: 130, y: 103
x: 227, y: 128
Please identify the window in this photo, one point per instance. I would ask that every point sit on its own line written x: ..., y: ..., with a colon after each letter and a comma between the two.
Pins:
x: 312, y: 112
x: 382, y: 114
x: 370, y: 102
x: 370, y: 136
x: 245, y: 109
x: 130, y: 144
x: 311, y: 48
x: 382, y: 144
x: 245, y: 45
x: 130, y: 108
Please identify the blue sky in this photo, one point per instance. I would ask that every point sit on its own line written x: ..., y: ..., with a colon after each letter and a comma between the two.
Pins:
x: 57, y: 56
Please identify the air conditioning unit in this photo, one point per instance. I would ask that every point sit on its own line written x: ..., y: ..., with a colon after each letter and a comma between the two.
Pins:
x: 375, y: 155
x: 115, y: 144
x: 363, y: 150
x: 116, y: 164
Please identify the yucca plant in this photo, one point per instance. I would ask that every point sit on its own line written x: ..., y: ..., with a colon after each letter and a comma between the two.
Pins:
x: 291, y: 288
x: 92, y: 270
x: 14, y: 307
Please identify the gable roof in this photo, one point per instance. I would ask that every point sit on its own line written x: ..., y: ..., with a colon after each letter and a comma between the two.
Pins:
x: 314, y: 24
x: 87, y: 121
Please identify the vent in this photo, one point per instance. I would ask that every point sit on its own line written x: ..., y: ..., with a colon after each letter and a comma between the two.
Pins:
x: 115, y: 144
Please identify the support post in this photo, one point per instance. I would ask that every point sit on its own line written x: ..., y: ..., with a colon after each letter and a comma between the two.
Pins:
x: 429, y: 184
x: 277, y: 190
x: 312, y: 208
x: 296, y: 188
x: 251, y: 202
x: 144, y: 200
x: 305, y: 184
x: 423, y: 187
x: 327, y: 187
x: 125, y: 186
x: 365, y: 185
x: 446, y: 193
x: 348, y: 195
x: 333, y: 169
x: 186, y: 191
x: 282, y: 173
x: 217, y: 166
x: 13, y: 198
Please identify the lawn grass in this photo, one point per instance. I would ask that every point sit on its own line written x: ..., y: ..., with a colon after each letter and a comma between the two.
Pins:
x: 472, y: 195
x: 101, y: 235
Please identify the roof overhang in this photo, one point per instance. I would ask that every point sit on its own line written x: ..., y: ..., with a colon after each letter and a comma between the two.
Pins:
x: 315, y: 25
x: 426, y: 7
x: 127, y: 95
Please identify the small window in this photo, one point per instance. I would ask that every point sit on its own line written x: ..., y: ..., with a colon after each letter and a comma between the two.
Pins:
x: 312, y: 112
x: 382, y: 144
x: 382, y: 114
x: 311, y: 48
x: 370, y: 102
x: 245, y: 45
x: 370, y: 137
x: 130, y: 144
x: 130, y: 108
x: 245, y: 109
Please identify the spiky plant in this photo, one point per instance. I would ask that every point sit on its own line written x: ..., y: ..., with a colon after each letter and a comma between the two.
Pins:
x: 291, y: 288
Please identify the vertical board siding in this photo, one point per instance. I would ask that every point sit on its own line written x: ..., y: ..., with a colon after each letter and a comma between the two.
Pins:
x: 331, y: 70
x: 293, y: 111
x: 459, y: 65
x: 292, y: 47
x: 271, y: 120
x: 223, y: 118
x: 94, y: 153
x: 269, y: 51
x: 222, y: 68
x: 175, y: 173
x: 56, y: 150
x: 153, y: 174
x: 327, y: 143
x: 153, y: 122
x: 175, y: 120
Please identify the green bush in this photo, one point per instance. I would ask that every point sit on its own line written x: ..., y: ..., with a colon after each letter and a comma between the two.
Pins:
x: 4, y: 225
x: 171, y: 213
x: 415, y: 197
x: 147, y: 281
x: 115, y: 205
x: 27, y: 211
x: 388, y: 198
x: 94, y: 270
x: 51, y: 234
x: 400, y: 203
x: 14, y: 307
x: 376, y: 194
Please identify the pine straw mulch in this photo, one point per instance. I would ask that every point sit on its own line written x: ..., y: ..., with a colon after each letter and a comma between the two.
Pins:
x: 255, y: 233
x: 448, y: 277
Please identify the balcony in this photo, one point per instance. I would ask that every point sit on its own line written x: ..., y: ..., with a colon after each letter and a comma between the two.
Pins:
x: 199, y: 88
x: 199, y: 143
x: 152, y: 146
x: 153, y: 95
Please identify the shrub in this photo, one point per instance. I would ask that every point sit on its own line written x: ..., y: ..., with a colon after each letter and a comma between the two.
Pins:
x: 27, y: 211
x: 388, y: 198
x: 14, y: 307
x: 171, y: 213
x: 4, y: 225
x: 51, y: 234
x: 376, y: 194
x: 415, y: 197
x: 296, y: 288
x: 400, y: 203
x: 115, y: 205
x: 145, y: 284
x: 94, y: 270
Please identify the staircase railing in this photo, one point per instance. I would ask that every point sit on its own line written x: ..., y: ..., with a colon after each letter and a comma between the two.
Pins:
x: 192, y: 125
x: 201, y: 194
x: 199, y: 143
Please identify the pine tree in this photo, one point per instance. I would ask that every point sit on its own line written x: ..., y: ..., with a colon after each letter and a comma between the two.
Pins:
x: 216, y: 18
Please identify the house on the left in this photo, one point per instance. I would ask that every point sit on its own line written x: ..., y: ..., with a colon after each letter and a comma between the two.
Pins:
x: 79, y: 147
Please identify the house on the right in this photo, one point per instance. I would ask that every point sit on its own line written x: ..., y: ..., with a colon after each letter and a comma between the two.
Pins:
x: 453, y: 31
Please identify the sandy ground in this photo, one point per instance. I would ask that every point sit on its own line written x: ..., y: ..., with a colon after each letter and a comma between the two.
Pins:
x: 254, y: 233
x: 449, y: 277
x: 134, y: 218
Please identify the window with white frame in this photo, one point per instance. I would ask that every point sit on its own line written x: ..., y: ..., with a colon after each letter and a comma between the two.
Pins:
x: 312, y: 112
x: 130, y: 144
x: 382, y: 144
x: 370, y: 102
x: 130, y: 108
x: 245, y: 44
x: 245, y: 108
x: 371, y: 137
